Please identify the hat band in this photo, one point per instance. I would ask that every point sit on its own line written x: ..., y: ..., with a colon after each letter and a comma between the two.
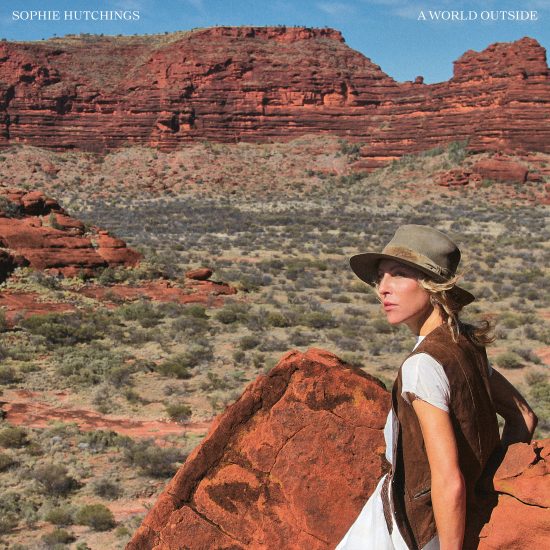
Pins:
x: 416, y: 258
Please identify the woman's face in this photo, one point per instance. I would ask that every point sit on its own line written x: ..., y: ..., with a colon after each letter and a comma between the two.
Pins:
x: 403, y: 299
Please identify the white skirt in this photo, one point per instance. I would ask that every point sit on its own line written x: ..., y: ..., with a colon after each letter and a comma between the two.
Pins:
x: 370, y: 532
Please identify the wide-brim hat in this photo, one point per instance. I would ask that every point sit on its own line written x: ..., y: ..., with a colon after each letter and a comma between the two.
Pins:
x: 419, y: 246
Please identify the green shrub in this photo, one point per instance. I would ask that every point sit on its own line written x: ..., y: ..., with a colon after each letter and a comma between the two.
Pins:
x: 457, y: 151
x: 318, y: 319
x: 120, y: 376
x: 90, y: 365
x: 9, y: 209
x: 527, y: 354
x: 196, y: 311
x: 509, y: 360
x: 145, y: 313
x: 178, y: 366
x: 122, y: 531
x: 239, y: 356
x: 99, y: 440
x: 179, y: 412
x: 96, y: 516
x: 45, y: 280
x: 8, y: 522
x: 8, y: 375
x: 66, y: 328
x: 278, y: 319
x: 13, y: 437
x: 249, y: 341
x: 63, y: 515
x: 57, y: 538
x: 54, y: 479
x: 154, y: 461
x: 3, y: 321
x: 232, y: 313
x: 381, y: 326
x: 106, y: 488
x: 6, y: 462
x: 190, y: 325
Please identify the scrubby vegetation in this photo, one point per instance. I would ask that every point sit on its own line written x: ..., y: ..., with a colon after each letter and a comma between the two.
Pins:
x: 283, y: 239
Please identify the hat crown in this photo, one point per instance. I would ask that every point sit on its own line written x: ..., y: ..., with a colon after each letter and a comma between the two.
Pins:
x: 419, y: 246
x: 426, y: 247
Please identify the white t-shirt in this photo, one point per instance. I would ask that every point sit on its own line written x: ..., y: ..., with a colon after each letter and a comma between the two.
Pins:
x: 422, y: 376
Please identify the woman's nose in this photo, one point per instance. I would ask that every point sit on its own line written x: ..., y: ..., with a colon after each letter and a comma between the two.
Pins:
x: 383, y: 285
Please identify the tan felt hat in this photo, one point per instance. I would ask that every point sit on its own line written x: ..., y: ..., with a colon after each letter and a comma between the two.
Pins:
x: 418, y: 246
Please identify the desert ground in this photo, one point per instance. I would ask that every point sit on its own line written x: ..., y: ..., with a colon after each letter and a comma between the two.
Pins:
x: 104, y: 402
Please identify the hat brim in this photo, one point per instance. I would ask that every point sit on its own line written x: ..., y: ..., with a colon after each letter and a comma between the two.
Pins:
x: 365, y: 266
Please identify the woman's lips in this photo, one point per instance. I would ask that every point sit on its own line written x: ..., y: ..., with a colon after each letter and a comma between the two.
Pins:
x: 389, y: 306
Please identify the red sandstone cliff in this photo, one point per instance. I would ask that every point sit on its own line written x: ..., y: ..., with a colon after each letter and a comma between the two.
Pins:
x: 291, y: 463
x: 257, y: 84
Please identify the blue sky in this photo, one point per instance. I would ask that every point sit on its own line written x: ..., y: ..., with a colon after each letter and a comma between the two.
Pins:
x: 389, y: 32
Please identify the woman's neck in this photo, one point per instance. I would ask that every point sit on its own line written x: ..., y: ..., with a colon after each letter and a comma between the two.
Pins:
x: 428, y: 322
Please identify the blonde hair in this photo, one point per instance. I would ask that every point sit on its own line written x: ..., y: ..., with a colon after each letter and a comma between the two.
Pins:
x: 441, y: 297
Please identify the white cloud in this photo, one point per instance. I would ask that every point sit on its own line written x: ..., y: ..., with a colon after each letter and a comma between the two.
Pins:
x: 197, y: 4
x: 336, y: 8
x: 129, y: 5
x: 538, y: 4
x: 408, y: 11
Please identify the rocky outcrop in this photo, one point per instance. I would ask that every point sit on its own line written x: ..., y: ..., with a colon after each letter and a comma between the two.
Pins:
x: 291, y: 463
x: 501, y: 169
x: 36, y: 231
x: 258, y: 84
x: 521, y: 518
x: 286, y: 466
x: 457, y: 177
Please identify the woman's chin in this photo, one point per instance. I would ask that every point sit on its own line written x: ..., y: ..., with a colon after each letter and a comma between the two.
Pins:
x: 393, y: 319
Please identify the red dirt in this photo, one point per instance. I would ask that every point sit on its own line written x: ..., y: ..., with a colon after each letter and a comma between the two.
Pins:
x: 206, y: 292
x: 24, y: 304
x: 22, y: 409
x: 544, y: 354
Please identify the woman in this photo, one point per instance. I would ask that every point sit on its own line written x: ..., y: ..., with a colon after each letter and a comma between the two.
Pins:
x: 442, y: 429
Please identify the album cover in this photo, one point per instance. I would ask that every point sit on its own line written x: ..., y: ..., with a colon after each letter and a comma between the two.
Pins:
x: 188, y: 357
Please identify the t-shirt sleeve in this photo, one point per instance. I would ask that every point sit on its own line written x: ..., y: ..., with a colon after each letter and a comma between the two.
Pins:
x: 423, y: 377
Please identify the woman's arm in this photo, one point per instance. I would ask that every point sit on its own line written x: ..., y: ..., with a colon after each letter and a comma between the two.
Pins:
x: 448, y: 488
x: 519, y: 419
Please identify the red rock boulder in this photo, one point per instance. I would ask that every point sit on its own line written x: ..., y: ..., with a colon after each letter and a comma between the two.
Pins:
x: 521, y: 518
x: 501, y: 169
x: 288, y: 465
x: 199, y: 274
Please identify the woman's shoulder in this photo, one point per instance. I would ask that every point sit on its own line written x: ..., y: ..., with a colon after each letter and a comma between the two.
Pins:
x: 424, y: 377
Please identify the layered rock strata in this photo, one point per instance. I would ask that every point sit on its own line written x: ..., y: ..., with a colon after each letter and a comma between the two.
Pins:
x: 257, y: 84
x: 35, y: 231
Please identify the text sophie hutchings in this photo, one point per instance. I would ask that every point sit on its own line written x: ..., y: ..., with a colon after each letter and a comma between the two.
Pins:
x: 75, y: 15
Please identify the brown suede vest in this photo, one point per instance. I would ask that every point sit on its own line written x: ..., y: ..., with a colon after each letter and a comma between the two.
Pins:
x: 476, y: 429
